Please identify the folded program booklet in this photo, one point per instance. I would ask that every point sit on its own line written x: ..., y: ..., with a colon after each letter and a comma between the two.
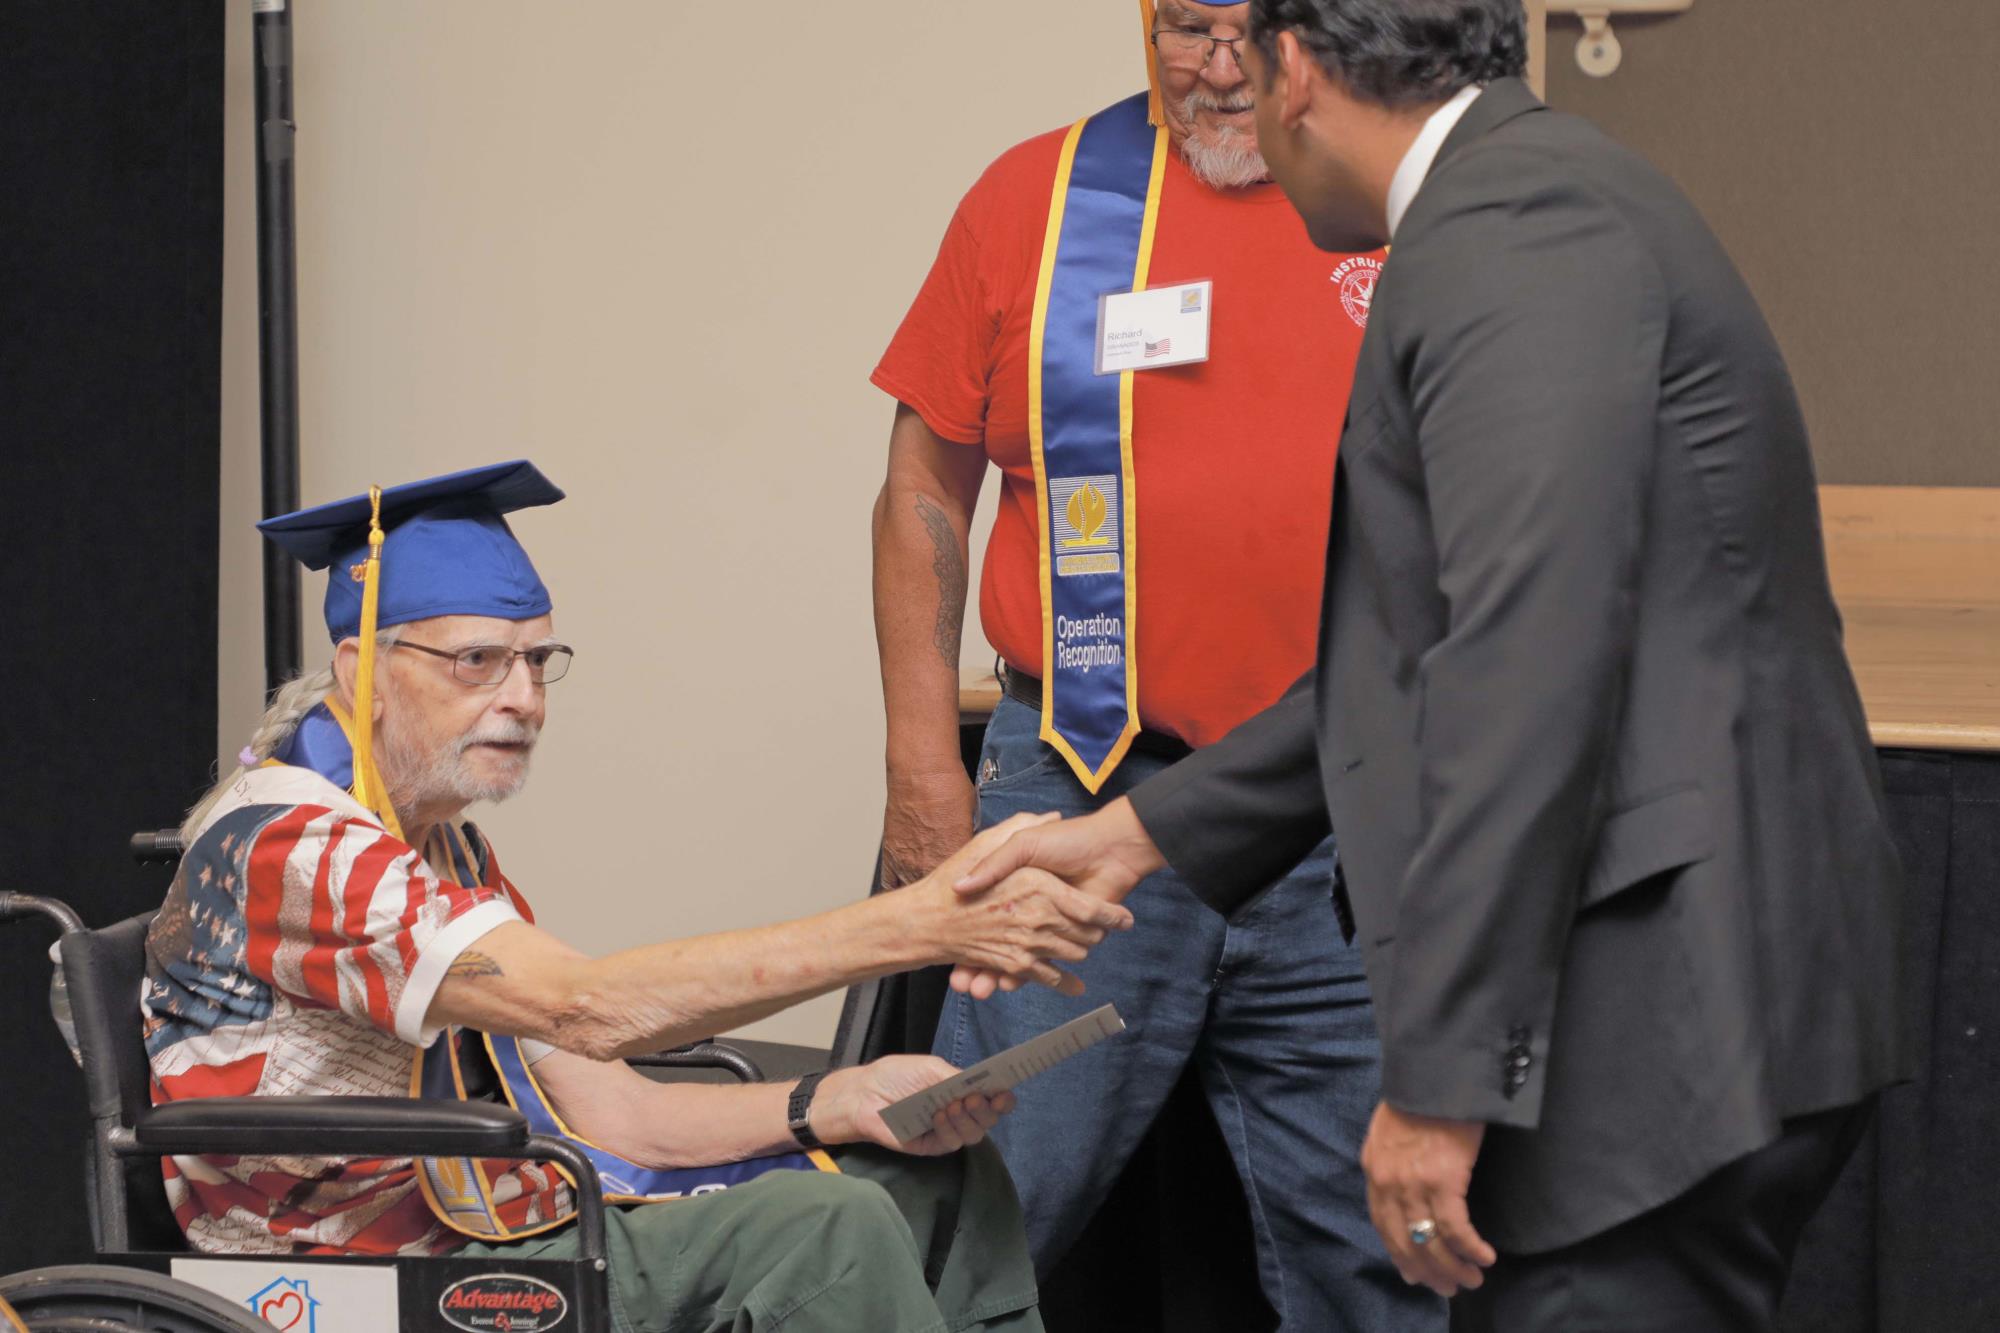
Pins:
x: 911, y: 1116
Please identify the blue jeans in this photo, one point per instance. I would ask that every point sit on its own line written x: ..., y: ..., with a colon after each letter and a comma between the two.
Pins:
x: 1273, y: 1009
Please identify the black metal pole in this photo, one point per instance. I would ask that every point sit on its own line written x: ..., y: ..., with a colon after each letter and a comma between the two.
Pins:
x: 278, y: 326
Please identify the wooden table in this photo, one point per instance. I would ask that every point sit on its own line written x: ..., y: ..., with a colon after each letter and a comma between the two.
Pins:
x: 1917, y: 573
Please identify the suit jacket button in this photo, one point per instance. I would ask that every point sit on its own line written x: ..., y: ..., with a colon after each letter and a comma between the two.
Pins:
x: 1516, y: 1062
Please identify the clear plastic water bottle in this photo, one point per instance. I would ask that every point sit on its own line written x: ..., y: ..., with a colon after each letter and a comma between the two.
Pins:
x: 59, y: 1005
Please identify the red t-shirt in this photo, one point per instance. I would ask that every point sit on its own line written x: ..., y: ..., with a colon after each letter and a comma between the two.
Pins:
x: 1233, y: 457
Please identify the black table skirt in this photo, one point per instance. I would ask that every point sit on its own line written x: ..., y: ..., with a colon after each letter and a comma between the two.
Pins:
x: 1908, y: 1240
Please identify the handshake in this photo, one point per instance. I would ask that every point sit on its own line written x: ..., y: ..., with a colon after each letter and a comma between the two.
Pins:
x: 1033, y: 892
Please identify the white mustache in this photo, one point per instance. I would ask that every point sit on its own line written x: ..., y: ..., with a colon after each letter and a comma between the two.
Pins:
x: 1202, y: 101
x: 518, y: 733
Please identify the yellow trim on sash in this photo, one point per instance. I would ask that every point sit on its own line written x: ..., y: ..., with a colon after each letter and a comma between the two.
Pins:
x: 1093, y: 781
x: 1141, y: 275
x: 1037, y: 337
x: 475, y: 1167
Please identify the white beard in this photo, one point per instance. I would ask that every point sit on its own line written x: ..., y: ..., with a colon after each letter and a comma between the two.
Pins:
x: 442, y: 775
x: 1231, y: 161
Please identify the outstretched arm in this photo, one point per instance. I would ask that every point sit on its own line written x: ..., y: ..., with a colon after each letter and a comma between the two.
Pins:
x: 518, y: 980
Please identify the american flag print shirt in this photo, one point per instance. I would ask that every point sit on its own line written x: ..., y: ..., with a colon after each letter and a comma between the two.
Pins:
x: 297, y: 952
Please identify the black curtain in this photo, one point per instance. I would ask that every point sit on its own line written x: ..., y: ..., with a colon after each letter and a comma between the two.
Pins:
x: 1906, y: 1240
x: 110, y: 346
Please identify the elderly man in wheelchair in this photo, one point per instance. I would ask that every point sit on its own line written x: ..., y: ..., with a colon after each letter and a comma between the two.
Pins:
x: 337, y: 929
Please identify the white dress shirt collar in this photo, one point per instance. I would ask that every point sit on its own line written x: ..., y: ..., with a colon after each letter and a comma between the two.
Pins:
x: 1416, y: 163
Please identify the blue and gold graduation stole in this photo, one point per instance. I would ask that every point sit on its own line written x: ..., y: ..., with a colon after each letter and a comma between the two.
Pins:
x: 1102, y: 216
x: 465, y: 1193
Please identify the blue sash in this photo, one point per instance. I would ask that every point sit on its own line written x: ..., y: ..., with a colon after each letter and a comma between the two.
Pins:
x: 1102, y: 216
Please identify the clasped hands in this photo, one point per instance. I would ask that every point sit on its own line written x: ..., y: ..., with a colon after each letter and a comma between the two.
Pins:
x: 1100, y: 857
x: 1418, y: 1167
x: 1019, y: 922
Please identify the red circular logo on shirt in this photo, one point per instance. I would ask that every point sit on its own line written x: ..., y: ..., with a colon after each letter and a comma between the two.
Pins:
x: 1356, y: 280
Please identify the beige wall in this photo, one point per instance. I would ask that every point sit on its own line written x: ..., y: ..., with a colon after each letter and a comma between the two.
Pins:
x: 656, y: 248
x: 1841, y: 150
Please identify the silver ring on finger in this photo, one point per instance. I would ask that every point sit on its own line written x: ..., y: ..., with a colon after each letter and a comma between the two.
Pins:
x: 1424, y: 1232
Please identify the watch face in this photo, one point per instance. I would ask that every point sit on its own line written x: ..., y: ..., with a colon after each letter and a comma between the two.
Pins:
x: 798, y: 1110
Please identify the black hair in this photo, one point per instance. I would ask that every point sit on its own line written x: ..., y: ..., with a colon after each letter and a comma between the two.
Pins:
x: 1401, y: 53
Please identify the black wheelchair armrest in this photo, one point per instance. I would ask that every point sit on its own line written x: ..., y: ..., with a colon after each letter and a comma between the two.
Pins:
x: 331, y: 1127
x: 365, y: 1127
x: 705, y: 1054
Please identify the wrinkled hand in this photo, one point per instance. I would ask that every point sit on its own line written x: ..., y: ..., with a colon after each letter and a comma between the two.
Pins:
x: 1419, y: 1168
x: 1016, y: 922
x: 926, y: 820
x: 848, y: 1107
x: 1103, y: 855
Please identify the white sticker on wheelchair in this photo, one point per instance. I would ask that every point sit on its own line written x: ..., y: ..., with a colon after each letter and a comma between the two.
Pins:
x: 340, y: 1297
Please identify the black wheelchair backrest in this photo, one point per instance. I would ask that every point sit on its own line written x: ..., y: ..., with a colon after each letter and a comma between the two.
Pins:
x: 104, y: 970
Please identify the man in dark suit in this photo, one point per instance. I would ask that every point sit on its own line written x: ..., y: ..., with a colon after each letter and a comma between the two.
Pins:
x: 1610, y: 821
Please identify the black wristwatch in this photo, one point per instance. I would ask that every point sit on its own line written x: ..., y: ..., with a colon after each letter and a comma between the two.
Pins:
x: 798, y: 1111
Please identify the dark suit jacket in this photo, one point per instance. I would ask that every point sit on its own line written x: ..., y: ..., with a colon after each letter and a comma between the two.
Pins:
x: 1610, y: 821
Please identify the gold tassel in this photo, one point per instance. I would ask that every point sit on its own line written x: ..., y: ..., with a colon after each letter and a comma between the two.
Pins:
x: 368, y: 785
x: 1156, y: 115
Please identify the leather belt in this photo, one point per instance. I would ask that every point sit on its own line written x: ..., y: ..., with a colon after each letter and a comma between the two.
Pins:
x: 1026, y: 690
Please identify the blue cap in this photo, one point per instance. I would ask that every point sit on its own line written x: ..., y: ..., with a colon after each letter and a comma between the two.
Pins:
x: 447, y: 552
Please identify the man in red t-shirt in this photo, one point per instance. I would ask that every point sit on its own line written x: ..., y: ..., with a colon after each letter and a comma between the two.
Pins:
x: 1228, y: 474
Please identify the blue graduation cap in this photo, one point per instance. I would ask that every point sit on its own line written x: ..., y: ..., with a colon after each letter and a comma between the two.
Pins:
x: 438, y: 547
x: 446, y: 549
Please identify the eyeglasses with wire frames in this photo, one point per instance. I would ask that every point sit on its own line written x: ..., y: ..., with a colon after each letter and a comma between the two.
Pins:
x: 1184, y: 48
x: 490, y: 663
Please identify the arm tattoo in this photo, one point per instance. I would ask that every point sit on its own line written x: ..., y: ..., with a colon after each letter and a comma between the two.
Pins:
x: 949, y: 566
x: 472, y: 963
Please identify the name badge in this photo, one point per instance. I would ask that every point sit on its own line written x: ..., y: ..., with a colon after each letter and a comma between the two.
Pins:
x: 1153, y: 329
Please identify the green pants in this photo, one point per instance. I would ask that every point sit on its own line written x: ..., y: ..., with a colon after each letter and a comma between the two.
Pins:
x: 893, y: 1244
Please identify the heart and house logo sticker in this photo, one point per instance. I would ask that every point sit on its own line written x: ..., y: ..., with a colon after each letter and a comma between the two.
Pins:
x: 287, y: 1305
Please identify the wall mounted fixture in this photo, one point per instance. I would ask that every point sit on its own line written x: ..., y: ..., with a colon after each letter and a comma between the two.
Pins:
x: 1597, y: 51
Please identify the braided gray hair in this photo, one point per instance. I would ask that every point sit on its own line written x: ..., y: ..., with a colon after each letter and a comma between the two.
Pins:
x: 289, y: 706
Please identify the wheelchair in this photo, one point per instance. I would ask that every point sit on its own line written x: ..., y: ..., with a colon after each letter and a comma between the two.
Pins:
x: 151, y: 1282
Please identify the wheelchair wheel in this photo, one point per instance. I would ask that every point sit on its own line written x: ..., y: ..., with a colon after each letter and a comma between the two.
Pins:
x: 97, y: 1298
